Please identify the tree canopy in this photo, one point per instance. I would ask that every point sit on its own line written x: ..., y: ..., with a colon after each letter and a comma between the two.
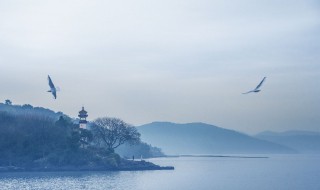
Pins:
x: 113, y: 132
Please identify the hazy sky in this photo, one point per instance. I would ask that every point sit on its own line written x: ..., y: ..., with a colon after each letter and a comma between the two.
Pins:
x: 179, y: 61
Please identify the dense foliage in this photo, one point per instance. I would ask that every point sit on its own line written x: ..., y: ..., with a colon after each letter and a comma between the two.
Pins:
x: 26, y: 139
x: 35, y: 141
x: 138, y: 150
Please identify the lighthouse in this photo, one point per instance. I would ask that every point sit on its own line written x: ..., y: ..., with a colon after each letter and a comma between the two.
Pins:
x: 83, y: 114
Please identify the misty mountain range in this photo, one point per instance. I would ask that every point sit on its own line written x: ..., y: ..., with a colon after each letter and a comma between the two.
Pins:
x: 201, y: 138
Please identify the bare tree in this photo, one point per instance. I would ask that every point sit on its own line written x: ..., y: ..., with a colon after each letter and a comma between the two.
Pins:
x: 8, y: 102
x: 113, y: 132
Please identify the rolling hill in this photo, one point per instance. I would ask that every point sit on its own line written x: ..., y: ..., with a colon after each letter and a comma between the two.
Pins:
x: 302, y: 141
x: 201, y: 138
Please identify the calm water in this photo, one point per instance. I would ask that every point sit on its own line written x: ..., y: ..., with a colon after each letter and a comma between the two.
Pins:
x: 276, y: 172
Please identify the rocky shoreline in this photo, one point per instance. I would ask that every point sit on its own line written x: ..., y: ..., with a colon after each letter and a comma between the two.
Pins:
x: 125, y: 165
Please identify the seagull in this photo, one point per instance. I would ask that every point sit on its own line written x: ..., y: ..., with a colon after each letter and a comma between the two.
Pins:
x: 257, y: 88
x: 53, y: 89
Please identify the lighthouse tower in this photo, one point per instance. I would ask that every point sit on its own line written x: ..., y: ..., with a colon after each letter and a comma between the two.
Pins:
x: 83, y: 114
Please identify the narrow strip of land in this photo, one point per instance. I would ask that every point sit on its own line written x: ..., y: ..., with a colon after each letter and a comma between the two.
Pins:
x: 216, y: 156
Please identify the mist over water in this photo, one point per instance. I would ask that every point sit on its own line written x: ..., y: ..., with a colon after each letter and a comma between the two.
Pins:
x: 276, y: 172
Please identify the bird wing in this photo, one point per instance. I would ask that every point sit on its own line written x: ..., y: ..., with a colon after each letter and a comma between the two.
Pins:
x: 50, y: 83
x: 259, y: 85
x: 248, y: 92
x: 54, y: 93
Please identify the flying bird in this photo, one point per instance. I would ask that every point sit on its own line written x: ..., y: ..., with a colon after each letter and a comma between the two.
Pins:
x: 257, y: 89
x: 53, y: 89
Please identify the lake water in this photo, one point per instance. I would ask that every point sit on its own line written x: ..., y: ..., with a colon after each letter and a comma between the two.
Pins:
x: 276, y: 172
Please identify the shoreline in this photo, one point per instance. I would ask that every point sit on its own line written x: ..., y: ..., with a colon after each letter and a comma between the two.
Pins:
x: 124, y: 166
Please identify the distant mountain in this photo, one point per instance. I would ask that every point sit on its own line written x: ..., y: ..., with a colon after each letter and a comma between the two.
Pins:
x: 201, y: 138
x: 302, y: 141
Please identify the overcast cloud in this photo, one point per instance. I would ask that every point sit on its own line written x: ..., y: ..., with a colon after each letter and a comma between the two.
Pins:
x: 181, y: 61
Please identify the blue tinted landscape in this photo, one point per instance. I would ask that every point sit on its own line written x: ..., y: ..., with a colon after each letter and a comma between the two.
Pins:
x: 156, y: 95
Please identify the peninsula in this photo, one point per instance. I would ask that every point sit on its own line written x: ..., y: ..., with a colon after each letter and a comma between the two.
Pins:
x: 39, y: 139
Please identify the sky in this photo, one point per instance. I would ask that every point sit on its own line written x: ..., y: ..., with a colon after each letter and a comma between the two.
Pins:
x: 178, y: 61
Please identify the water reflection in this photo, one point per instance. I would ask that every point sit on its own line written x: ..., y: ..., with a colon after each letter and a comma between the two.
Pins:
x: 68, y: 180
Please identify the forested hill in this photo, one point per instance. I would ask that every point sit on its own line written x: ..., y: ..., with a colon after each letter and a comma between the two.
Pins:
x: 30, y: 139
x: 28, y: 109
x: 33, y: 138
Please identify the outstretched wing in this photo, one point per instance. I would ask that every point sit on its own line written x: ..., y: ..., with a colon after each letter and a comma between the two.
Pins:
x: 260, y: 83
x: 54, y: 93
x: 247, y: 92
x: 50, y: 83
